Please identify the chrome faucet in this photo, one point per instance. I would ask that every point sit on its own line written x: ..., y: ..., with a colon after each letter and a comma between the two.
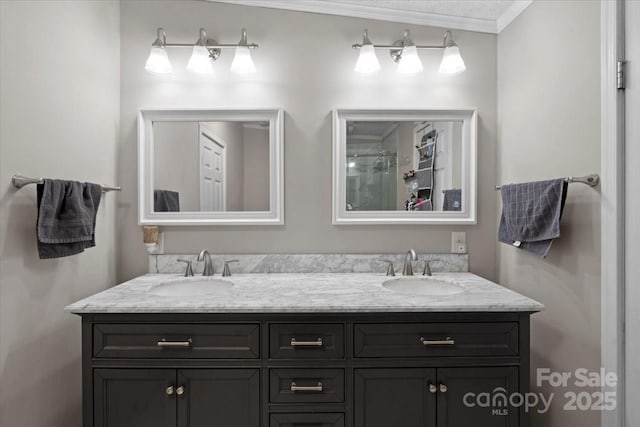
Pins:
x: 226, y: 272
x: 208, y: 265
x: 189, y: 270
x: 407, y: 269
x: 427, y: 269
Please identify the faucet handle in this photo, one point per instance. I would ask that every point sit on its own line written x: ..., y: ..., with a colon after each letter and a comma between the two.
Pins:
x: 189, y: 271
x: 226, y: 272
x: 390, y: 270
x: 427, y: 269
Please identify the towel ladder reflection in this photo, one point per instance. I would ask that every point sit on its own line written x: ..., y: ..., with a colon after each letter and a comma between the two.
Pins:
x: 591, y: 180
x: 20, y: 181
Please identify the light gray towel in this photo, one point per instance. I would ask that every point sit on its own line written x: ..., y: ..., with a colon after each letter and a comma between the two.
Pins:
x: 166, y: 201
x: 531, y: 214
x: 66, y: 217
x: 452, y: 200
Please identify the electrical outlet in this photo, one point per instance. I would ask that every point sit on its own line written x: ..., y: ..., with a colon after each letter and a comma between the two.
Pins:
x: 459, y: 242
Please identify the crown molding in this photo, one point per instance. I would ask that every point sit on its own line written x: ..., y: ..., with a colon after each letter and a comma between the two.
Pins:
x: 509, y: 15
x: 373, y: 12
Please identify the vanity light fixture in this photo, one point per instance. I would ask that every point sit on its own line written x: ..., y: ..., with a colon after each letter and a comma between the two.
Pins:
x: 408, y: 60
x: 199, y: 62
x: 242, y: 62
x: 405, y: 53
x: 367, y: 60
x: 204, y: 52
x: 158, y: 61
x: 452, y: 62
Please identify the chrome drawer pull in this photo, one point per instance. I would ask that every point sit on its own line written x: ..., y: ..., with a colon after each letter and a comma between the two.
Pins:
x: 317, y: 388
x: 316, y: 343
x: 163, y: 343
x: 169, y: 390
x: 447, y: 341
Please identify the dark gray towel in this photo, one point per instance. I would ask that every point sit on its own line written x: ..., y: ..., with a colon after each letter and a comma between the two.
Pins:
x: 166, y: 201
x: 531, y: 214
x: 452, y: 200
x: 66, y: 217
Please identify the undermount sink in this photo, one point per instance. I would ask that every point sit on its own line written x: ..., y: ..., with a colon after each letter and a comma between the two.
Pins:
x: 423, y: 286
x: 191, y: 287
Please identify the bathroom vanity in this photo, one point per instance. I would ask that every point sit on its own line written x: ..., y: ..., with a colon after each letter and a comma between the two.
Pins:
x: 276, y: 350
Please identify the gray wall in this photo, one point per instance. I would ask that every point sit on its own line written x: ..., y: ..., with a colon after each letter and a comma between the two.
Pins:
x: 59, y: 118
x: 176, y: 157
x: 549, y: 126
x: 256, y: 169
x: 305, y: 65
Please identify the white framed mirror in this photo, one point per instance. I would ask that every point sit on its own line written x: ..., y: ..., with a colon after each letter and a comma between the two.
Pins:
x: 211, y: 167
x: 404, y: 166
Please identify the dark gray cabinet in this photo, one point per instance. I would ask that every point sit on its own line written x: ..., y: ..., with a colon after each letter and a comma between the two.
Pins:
x: 459, y: 406
x: 303, y: 370
x: 439, y: 397
x: 182, y: 398
x: 394, y: 397
x: 134, y: 398
x: 219, y: 397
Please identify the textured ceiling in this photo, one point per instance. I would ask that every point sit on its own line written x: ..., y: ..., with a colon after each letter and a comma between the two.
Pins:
x: 478, y: 9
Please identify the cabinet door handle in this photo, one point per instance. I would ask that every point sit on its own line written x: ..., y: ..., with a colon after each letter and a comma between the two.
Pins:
x: 316, y: 389
x: 443, y: 388
x: 447, y: 341
x: 169, y: 390
x: 180, y: 390
x: 163, y: 343
x: 316, y: 343
x: 433, y: 388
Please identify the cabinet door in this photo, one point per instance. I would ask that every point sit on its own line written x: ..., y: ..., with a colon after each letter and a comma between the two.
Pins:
x: 395, y: 397
x: 134, y: 398
x: 219, y: 397
x: 458, y: 405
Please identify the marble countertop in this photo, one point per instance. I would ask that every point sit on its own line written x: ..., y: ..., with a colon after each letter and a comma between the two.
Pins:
x: 303, y: 293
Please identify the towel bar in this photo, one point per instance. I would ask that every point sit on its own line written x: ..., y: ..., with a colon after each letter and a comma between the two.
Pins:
x: 591, y: 180
x: 20, y: 181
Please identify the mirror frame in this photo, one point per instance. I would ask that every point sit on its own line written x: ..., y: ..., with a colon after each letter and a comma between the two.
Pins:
x: 469, y: 166
x: 275, y: 214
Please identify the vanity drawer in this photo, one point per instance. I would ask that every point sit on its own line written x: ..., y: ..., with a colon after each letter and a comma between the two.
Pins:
x: 435, y: 339
x: 191, y: 341
x: 306, y: 420
x: 306, y: 385
x: 306, y: 341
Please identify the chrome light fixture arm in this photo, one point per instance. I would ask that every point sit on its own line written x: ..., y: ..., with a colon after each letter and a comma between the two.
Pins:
x: 214, y: 48
x: 405, y: 41
x: 395, y: 49
x: 210, y: 43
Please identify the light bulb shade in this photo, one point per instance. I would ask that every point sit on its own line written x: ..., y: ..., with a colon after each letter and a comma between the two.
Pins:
x: 158, y: 61
x: 200, y: 63
x: 242, y: 62
x: 410, y: 62
x: 452, y: 62
x: 367, y: 60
